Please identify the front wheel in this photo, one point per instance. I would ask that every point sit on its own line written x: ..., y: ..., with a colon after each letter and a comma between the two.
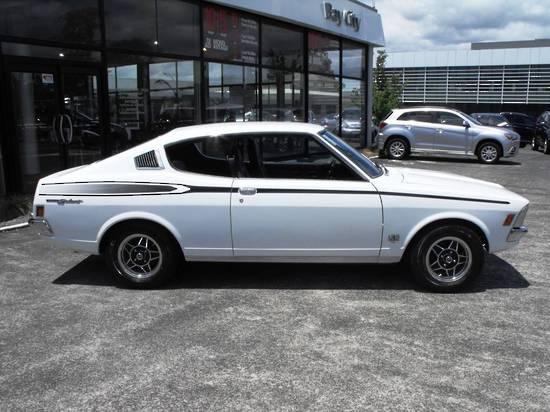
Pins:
x: 142, y: 255
x: 446, y: 258
x: 488, y: 153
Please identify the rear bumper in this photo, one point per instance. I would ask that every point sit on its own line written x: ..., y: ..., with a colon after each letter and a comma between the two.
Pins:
x: 40, y: 226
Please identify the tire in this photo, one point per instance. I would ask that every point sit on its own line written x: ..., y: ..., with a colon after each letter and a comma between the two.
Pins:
x: 534, y: 144
x: 446, y: 258
x: 489, y: 152
x: 142, y: 255
x: 546, y: 147
x: 397, y: 148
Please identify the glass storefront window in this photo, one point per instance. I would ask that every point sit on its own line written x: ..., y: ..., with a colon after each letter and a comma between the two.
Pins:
x: 353, y: 60
x: 324, y: 101
x: 282, y: 96
x: 167, y: 26
x: 57, y: 53
x: 66, y: 21
x: 150, y: 96
x: 353, y: 111
x: 231, y: 93
x: 323, y: 54
x: 282, y: 47
x: 229, y: 35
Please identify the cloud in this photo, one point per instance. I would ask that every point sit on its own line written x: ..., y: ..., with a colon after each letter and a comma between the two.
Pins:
x: 443, y: 24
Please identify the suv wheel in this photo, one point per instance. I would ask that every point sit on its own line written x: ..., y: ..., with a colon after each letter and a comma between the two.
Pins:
x: 397, y: 148
x: 534, y: 144
x: 546, y: 147
x: 446, y: 258
x: 488, y: 152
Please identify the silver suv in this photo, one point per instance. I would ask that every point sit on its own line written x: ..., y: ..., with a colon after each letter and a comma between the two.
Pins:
x: 438, y: 130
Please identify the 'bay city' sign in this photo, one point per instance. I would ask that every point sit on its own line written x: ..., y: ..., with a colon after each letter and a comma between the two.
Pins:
x: 338, y: 16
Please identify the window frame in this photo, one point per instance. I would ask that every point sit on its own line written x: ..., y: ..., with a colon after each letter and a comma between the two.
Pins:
x: 437, y: 113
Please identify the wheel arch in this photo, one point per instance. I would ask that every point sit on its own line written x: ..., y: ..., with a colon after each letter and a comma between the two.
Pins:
x: 433, y: 222
x: 127, y: 218
x: 491, y: 140
x: 403, y: 136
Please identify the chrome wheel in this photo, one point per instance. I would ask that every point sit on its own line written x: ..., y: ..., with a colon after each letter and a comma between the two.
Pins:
x: 489, y: 153
x: 397, y: 149
x: 139, y: 256
x: 448, y: 259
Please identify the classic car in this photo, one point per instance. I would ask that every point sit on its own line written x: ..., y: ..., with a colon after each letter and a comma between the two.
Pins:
x: 273, y: 192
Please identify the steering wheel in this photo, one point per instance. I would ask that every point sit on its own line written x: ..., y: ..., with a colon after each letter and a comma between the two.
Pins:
x: 331, y: 168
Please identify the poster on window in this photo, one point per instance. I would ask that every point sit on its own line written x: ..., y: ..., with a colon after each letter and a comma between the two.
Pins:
x: 228, y: 35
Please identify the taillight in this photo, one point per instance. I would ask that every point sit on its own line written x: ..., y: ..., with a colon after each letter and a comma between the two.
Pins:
x: 382, y: 125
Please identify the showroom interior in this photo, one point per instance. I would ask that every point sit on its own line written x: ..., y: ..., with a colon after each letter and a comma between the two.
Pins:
x: 82, y: 80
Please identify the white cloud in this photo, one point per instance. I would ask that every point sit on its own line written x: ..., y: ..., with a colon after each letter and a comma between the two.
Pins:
x: 442, y: 24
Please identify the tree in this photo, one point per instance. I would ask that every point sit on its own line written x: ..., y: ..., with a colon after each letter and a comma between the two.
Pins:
x: 387, y: 89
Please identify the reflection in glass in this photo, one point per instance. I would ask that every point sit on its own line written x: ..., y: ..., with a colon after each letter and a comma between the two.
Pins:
x: 232, y: 93
x: 57, y: 53
x: 323, y: 54
x: 282, y: 47
x: 66, y: 21
x: 282, y: 96
x: 150, y: 96
x: 324, y: 105
x: 353, y: 111
x: 353, y: 60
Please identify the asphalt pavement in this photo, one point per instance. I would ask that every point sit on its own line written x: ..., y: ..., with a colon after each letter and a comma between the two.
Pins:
x: 281, y: 336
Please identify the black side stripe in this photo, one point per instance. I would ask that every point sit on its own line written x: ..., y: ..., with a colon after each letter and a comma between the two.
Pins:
x: 463, y: 199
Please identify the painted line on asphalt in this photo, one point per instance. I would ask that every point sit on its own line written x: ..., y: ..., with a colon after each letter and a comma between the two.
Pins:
x: 13, y: 227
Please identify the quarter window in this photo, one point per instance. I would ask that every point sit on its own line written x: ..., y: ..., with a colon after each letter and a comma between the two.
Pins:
x: 209, y: 156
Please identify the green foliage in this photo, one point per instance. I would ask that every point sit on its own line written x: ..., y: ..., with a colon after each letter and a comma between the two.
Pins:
x: 387, y: 89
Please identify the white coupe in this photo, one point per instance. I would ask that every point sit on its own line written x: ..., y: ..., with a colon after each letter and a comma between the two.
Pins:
x: 273, y: 192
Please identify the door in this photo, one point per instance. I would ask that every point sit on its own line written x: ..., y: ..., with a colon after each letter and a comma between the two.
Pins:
x: 450, y: 134
x: 421, y: 125
x: 295, y: 200
x: 55, y: 119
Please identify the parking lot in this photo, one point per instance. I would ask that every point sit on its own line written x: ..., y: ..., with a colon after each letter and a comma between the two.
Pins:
x: 282, y: 337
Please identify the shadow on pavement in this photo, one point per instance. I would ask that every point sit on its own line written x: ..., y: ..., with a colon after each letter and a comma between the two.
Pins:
x: 498, y: 274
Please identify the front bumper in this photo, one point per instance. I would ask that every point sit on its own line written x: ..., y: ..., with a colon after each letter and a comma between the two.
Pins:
x: 512, y: 149
x: 40, y: 226
x: 517, y: 233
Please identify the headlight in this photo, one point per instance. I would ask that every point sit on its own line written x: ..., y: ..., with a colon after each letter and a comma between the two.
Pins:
x: 511, y: 136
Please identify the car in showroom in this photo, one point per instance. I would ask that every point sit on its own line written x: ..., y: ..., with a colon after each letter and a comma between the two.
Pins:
x: 443, y: 131
x: 273, y: 192
x: 542, y: 134
x: 523, y: 124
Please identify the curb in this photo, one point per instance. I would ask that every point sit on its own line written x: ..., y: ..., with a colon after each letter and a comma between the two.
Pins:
x: 13, y: 227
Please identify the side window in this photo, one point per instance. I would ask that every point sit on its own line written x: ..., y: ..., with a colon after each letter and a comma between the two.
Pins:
x: 424, y: 117
x: 449, y: 119
x: 292, y: 156
x: 206, y: 156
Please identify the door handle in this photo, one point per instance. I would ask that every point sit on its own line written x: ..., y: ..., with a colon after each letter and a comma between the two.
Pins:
x: 247, y: 191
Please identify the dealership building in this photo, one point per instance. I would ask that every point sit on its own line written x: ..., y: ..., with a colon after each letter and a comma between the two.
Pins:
x: 80, y: 80
x: 489, y: 77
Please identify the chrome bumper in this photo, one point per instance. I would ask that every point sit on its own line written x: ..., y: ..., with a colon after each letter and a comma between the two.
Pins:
x: 517, y: 233
x: 40, y: 226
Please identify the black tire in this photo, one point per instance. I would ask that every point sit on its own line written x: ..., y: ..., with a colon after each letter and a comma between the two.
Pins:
x: 397, y: 148
x: 438, y: 276
x: 534, y: 143
x: 546, y: 147
x: 142, y: 255
x: 489, y: 152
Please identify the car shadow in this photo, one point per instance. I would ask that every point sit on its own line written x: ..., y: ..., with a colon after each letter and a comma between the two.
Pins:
x: 498, y: 274
x: 442, y: 159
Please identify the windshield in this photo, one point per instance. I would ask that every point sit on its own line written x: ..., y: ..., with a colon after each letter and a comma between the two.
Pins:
x: 470, y: 118
x: 357, y: 158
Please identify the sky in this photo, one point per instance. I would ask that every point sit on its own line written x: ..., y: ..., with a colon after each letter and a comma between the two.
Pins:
x: 411, y: 25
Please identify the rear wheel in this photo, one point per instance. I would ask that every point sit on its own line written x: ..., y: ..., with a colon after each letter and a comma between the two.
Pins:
x: 534, y: 144
x: 142, y: 255
x: 488, y: 152
x: 397, y: 148
x: 446, y: 258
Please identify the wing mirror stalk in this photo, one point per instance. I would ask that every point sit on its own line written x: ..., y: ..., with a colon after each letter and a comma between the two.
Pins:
x: 466, y: 124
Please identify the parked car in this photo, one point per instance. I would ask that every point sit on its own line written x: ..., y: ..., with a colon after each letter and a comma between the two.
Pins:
x: 273, y: 192
x: 438, y: 130
x: 492, y: 119
x: 523, y: 124
x: 542, y: 134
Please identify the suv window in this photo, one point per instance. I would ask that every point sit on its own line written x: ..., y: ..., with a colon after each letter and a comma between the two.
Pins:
x: 291, y: 156
x: 205, y: 156
x: 448, y: 119
x: 425, y: 117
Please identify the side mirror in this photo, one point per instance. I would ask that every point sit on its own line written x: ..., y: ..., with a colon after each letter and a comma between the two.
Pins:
x: 466, y: 124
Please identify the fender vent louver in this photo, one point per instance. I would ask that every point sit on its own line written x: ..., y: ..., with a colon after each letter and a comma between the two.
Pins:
x: 147, y: 161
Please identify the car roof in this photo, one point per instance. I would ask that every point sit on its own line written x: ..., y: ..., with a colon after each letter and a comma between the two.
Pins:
x: 486, y: 114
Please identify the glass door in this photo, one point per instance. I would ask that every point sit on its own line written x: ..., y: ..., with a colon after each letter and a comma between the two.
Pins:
x: 56, y: 119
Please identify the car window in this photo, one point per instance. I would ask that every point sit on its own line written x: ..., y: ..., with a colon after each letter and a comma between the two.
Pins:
x: 448, y: 119
x: 207, y: 156
x: 421, y: 116
x: 291, y: 156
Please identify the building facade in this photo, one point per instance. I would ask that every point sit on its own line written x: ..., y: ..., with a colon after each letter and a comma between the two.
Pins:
x: 80, y: 80
x: 491, y: 77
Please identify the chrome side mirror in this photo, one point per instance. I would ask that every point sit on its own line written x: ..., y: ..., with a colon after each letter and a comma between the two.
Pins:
x: 466, y: 124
